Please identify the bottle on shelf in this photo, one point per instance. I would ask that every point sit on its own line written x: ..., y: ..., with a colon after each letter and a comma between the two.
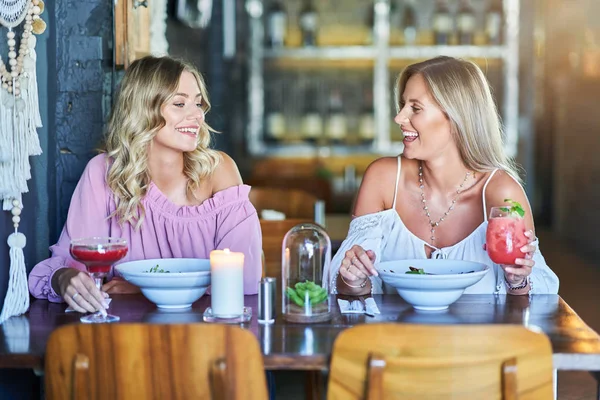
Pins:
x: 466, y: 23
x: 370, y: 23
x: 366, y: 122
x: 311, y: 125
x: 442, y: 23
x: 493, y: 23
x: 336, y: 127
x: 409, y: 25
x: 276, y: 24
x: 275, y: 126
x: 394, y: 16
x: 309, y: 21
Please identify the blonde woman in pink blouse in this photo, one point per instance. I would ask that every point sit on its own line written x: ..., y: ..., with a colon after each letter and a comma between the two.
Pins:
x: 158, y: 185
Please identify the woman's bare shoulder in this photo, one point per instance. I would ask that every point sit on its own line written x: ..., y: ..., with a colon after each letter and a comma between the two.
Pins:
x: 381, y: 168
x: 377, y: 187
x: 226, y: 174
x: 501, y: 187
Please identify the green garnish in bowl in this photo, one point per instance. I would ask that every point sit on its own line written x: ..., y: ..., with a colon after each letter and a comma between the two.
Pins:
x: 157, y: 269
x: 416, y: 271
x: 514, y: 209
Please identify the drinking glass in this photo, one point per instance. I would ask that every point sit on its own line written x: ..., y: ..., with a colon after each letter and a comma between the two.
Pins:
x: 505, y: 236
x: 98, y: 254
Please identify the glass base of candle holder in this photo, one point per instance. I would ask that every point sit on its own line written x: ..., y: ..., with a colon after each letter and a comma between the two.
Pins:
x: 246, y: 316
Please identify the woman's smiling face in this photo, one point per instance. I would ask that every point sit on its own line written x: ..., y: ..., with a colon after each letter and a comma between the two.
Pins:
x: 426, y: 128
x: 183, y: 116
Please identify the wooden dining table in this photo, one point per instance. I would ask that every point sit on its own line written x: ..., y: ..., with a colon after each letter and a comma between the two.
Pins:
x: 290, y: 346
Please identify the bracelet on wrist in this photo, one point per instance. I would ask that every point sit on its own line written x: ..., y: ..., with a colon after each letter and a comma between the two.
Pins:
x: 362, y: 285
x: 522, y: 285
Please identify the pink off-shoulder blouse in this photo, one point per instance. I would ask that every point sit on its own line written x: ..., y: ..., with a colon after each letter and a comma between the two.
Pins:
x: 225, y: 220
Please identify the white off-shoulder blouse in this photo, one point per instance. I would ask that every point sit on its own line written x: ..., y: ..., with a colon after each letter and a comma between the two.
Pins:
x: 385, y: 234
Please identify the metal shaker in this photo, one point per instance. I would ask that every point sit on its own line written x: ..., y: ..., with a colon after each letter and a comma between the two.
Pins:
x: 266, y: 300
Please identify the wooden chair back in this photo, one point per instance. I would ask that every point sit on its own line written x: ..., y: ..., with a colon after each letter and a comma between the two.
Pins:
x: 399, y: 361
x: 273, y: 233
x: 291, y: 173
x: 152, y: 361
x: 295, y: 204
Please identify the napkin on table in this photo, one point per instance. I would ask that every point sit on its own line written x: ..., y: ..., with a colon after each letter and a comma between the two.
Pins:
x: 357, y: 307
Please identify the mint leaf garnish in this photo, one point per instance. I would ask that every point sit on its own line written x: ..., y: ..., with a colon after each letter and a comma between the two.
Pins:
x: 515, y: 208
x: 156, y: 269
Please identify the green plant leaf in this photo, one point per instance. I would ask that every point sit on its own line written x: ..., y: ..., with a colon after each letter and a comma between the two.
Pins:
x: 515, y: 208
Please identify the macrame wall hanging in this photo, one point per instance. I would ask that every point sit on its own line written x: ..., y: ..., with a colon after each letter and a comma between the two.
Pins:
x: 19, y: 120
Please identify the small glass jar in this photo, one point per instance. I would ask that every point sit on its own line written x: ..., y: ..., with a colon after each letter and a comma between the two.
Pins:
x: 306, y: 252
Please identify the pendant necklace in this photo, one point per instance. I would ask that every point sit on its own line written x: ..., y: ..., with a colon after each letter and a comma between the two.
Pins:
x: 433, y: 225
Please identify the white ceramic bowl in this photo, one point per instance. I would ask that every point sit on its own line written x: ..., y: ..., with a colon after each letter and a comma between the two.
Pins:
x: 187, y: 280
x: 431, y: 292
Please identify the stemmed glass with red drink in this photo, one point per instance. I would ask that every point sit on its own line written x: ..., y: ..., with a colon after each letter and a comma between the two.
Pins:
x: 505, y: 233
x: 98, y: 254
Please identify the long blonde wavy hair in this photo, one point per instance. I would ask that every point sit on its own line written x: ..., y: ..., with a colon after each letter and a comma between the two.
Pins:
x: 149, y: 83
x: 462, y: 92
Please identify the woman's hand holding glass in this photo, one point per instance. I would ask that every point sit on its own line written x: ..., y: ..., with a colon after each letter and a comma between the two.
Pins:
x: 98, y: 254
x: 509, y: 245
x: 515, y: 274
x: 357, y: 266
x: 79, y: 290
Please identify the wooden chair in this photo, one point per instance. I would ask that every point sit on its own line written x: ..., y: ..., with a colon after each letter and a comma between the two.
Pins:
x: 298, y: 207
x: 398, y: 361
x: 291, y: 173
x: 273, y: 233
x: 295, y: 204
x: 151, y: 361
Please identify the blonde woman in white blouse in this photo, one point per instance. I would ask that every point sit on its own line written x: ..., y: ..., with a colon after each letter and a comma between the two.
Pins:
x: 433, y: 201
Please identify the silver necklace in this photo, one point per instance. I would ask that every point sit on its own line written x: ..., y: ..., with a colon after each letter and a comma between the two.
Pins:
x: 432, y: 224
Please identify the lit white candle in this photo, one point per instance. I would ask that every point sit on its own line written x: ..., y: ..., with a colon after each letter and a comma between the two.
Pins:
x: 227, y: 283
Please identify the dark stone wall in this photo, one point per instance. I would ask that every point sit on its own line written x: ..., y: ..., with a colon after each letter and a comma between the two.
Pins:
x: 84, y: 82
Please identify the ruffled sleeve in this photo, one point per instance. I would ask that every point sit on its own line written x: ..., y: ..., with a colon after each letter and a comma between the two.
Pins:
x: 367, y: 231
x: 542, y: 279
x: 238, y: 229
x: 87, y: 217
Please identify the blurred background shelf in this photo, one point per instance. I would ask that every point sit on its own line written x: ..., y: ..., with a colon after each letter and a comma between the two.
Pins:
x: 370, y: 52
x: 424, y: 52
x: 300, y: 149
x: 330, y: 52
x: 364, y: 57
x: 314, y: 67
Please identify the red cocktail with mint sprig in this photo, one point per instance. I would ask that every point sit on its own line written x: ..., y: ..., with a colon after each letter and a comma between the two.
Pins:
x: 505, y: 233
x: 98, y: 254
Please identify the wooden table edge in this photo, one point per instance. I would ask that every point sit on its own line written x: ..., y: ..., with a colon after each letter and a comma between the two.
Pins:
x: 281, y: 362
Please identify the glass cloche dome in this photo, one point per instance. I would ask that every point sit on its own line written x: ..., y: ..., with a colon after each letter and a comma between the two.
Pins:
x: 306, y: 252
